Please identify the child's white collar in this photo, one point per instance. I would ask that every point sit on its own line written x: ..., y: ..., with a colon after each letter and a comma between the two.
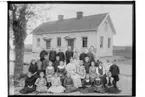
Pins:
x: 61, y: 66
x: 50, y: 67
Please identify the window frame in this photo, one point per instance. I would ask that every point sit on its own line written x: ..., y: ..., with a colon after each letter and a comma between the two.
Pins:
x: 101, y: 41
x: 109, y: 42
x: 48, y: 46
x: 84, y: 45
x: 58, y: 42
x: 38, y: 42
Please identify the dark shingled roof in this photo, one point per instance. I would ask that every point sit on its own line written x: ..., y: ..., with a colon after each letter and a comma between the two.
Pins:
x: 68, y: 25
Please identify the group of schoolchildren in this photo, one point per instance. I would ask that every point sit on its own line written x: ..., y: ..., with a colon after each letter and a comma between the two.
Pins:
x: 69, y: 72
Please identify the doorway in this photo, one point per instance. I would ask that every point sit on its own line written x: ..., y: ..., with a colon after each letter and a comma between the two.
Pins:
x: 71, y: 43
x: 48, y: 44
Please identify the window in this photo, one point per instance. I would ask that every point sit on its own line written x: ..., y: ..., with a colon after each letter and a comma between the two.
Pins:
x: 48, y: 44
x: 101, y: 42
x: 84, y: 41
x: 106, y: 26
x: 58, y: 41
x: 109, y: 42
x: 38, y: 42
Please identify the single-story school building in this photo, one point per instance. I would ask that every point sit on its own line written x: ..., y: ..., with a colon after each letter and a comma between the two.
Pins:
x: 79, y: 33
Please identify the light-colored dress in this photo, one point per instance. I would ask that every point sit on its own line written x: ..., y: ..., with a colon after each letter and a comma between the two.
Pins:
x: 56, y: 86
x: 49, y: 71
x: 81, y: 71
x: 41, y: 85
x: 71, y: 68
x: 107, y: 67
x: 92, y: 72
x: 76, y: 62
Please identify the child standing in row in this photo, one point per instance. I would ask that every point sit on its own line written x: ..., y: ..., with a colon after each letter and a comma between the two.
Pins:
x: 49, y: 69
x: 56, y: 63
x: 92, y: 71
x: 61, y: 71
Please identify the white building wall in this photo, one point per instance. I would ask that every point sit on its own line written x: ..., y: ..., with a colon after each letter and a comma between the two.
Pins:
x: 105, y: 51
x: 92, y: 38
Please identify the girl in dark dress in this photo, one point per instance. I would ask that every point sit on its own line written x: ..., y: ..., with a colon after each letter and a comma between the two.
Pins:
x: 87, y: 85
x: 29, y: 85
x: 68, y: 84
x: 45, y: 63
x: 68, y: 55
x: 98, y: 85
x: 56, y: 63
x: 61, y: 71
x: 49, y: 79
x: 34, y: 69
x: 110, y: 84
x: 87, y: 64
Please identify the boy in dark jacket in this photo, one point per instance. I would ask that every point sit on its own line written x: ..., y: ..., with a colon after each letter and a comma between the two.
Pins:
x: 115, y: 71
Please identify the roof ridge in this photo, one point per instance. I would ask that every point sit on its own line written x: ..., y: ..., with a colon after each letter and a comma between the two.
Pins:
x: 75, y: 17
x: 89, y: 22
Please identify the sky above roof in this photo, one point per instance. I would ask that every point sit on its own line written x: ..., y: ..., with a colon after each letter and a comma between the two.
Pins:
x: 121, y: 16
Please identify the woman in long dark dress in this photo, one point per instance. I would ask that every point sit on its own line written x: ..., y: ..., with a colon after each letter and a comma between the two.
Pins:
x: 34, y: 69
x: 29, y: 85
x: 61, y: 55
x: 68, y: 55
x: 52, y: 55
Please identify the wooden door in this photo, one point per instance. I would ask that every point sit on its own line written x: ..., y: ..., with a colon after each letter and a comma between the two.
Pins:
x: 48, y: 44
x: 71, y: 43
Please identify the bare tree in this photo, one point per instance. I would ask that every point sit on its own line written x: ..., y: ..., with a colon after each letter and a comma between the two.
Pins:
x: 19, y: 17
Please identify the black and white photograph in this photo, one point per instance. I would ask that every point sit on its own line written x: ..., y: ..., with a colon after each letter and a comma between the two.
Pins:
x: 71, y: 48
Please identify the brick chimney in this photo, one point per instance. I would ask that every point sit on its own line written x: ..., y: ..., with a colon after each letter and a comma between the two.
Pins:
x: 60, y: 17
x: 79, y: 14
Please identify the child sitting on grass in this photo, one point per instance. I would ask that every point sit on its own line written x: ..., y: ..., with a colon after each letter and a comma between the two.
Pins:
x: 56, y: 85
x: 98, y: 85
x: 29, y: 84
x: 34, y: 69
x: 69, y: 84
x: 110, y: 84
x: 41, y: 83
x: 87, y: 85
